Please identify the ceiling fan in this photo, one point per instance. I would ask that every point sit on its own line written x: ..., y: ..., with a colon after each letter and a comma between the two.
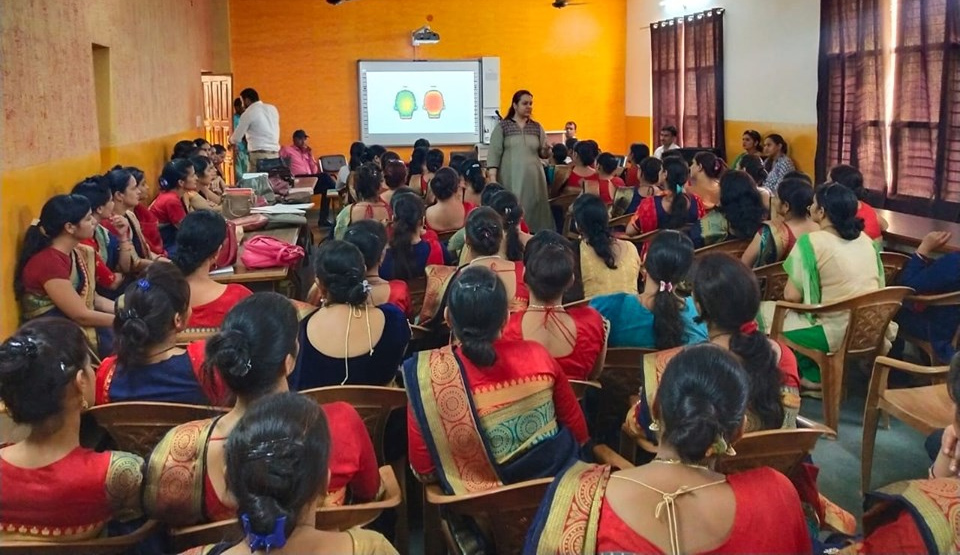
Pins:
x: 564, y: 3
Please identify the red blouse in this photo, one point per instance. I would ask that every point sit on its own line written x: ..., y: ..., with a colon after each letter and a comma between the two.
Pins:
x: 47, y: 264
x: 168, y: 208
x: 789, y: 371
x: 633, y: 176
x: 768, y: 519
x: 211, y: 315
x: 400, y: 296
x: 102, y: 273
x: 588, y: 339
x: 871, y: 225
x: 148, y: 225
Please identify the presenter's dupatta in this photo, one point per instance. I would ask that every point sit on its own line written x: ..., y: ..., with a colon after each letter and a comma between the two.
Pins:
x: 448, y: 420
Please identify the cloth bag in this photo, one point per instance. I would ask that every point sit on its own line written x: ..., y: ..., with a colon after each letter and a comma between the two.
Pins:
x: 264, y: 251
x: 228, y: 251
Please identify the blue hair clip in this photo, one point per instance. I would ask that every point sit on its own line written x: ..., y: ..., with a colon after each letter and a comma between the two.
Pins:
x: 273, y: 540
x: 143, y: 284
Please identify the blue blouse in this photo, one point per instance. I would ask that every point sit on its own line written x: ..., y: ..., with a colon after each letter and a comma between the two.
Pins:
x: 168, y: 381
x: 631, y: 324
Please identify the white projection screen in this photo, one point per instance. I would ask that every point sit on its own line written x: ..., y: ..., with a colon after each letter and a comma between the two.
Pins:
x: 401, y: 102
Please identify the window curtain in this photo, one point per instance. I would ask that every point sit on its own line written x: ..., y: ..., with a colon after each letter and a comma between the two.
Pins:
x: 665, y: 46
x: 703, y: 81
x: 850, y: 101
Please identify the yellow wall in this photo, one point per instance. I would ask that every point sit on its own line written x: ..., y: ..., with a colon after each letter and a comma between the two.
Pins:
x: 50, y: 136
x: 640, y: 130
x: 302, y: 56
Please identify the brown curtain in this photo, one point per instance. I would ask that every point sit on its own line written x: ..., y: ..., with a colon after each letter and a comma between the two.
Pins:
x: 703, y: 81
x: 850, y: 101
x: 665, y: 46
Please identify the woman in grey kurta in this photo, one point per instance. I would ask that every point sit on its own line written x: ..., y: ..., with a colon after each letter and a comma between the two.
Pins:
x: 516, y: 147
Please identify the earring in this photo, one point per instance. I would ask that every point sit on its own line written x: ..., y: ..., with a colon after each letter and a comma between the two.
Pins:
x: 654, y: 426
x: 84, y: 405
x: 730, y: 452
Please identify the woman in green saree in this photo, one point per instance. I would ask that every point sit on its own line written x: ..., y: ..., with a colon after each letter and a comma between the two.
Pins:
x: 790, y: 219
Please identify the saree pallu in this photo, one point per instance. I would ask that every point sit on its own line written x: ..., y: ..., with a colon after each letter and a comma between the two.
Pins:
x: 569, y: 516
x: 776, y: 242
x: 914, y: 516
x: 439, y: 279
x: 711, y: 229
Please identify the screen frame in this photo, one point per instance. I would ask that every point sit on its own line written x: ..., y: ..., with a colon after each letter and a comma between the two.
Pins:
x: 407, y: 139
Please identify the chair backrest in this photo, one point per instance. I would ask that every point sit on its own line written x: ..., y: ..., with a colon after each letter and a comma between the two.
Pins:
x: 734, y: 247
x: 564, y: 201
x: 580, y: 387
x: 138, y: 426
x: 98, y: 546
x: 190, y: 335
x: 620, y: 221
x: 870, y: 314
x: 773, y: 280
x: 507, y: 512
x: 783, y: 450
x: 331, y: 163
x: 373, y: 403
x: 625, y: 357
x: 893, y: 263
x: 446, y: 235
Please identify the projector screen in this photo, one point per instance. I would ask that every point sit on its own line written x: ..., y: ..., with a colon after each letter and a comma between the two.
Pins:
x: 401, y: 102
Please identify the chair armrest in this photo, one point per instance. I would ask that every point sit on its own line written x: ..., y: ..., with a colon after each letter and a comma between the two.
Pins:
x: 910, y: 368
x: 807, y: 424
x: 606, y: 455
x: 943, y: 299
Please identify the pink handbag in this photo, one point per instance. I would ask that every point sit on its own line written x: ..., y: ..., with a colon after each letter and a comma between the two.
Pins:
x: 264, y: 251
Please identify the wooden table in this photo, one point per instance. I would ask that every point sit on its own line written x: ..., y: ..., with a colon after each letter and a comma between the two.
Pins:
x: 272, y: 276
x: 908, y: 230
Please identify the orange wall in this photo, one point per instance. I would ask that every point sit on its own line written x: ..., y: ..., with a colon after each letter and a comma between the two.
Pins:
x: 302, y: 56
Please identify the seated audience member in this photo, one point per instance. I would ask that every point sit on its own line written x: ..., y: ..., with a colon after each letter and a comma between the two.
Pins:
x: 417, y: 170
x: 54, y: 489
x: 738, y: 214
x: 394, y: 177
x: 411, y: 250
x: 608, y: 183
x: 511, y: 212
x: 203, y: 196
x: 149, y: 366
x: 450, y: 211
x: 148, y: 222
x: 583, y: 174
x: 673, y: 209
x: 605, y: 264
x: 649, y: 170
x: 218, y: 156
x: 387, y: 156
x: 797, y: 174
x: 791, y: 219
x: 369, y: 205
x: 753, y: 165
x: 357, y: 151
x: 184, y: 149
x: 299, y: 155
x: 931, y: 276
x: 705, y: 172
x: 777, y: 162
x: 657, y: 317
x: 835, y: 262
x: 420, y: 178
x: 557, y: 170
x: 199, y: 242
x: 169, y: 207
x: 918, y: 516
x: 638, y: 153
x: 370, y: 237
x: 374, y: 154
x: 203, y: 146
x: 276, y: 494
x: 752, y: 146
x: 850, y: 177
x: 668, y: 141
x: 112, y: 251
x: 505, y: 381
x: 699, y: 412
x: 474, y: 181
x: 348, y: 341
x: 252, y: 354
x: 54, y: 275
x: 574, y: 337
x: 457, y: 243
x: 126, y: 197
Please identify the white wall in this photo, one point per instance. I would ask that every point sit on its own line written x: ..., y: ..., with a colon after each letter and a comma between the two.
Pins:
x: 771, y: 49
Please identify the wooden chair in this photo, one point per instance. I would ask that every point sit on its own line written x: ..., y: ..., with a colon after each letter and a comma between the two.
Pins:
x: 773, y: 280
x: 418, y: 288
x: 870, y: 314
x: 893, y: 263
x: 625, y: 357
x: 138, y: 426
x: 375, y: 405
x: 783, y: 450
x: 444, y: 236
x: 338, y: 518
x: 620, y: 221
x: 943, y: 299
x: 97, y: 546
x: 563, y: 203
x: 561, y: 174
x: 640, y: 240
x: 734, y: 247
x: 925, y: 408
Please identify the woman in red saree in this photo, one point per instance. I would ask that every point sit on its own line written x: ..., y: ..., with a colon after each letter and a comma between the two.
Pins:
x: 450, y: 211
x: 149, y: 225
x: 583, y: 174
x: 678, y: 503
x: 253, y: 354
x: 54, y: 489
x: 489, y: 411
x: 672, y: 210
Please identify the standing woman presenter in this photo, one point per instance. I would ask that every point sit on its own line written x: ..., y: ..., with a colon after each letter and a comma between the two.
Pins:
x: 517, y: 145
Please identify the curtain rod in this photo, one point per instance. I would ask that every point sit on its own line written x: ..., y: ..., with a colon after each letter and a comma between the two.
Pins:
x: 690, y: 17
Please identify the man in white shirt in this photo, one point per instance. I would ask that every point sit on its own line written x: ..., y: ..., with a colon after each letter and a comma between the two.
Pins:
x: 668, y: 141
x: 260, y: 122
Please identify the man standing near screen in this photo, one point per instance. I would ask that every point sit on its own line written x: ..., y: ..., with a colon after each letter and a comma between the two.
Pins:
x: 260, y: 123
x: 517, y: 145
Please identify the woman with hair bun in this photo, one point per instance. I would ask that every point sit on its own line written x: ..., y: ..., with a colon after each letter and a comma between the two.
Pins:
x: 697, y: 417
x: 670, y: 207
x: 508, y: 382
x: 276, y: 494
x: 790, y: 211
x: 198, y: 245
x: 515, y: 238
x: 149, y: 366
x: 170, y: 208
x: 253, y: 354
x: 833, y: 263
x: 474, y: 181
x: 574, y: 336
x: 605, y: 264
x: 369, y: 205
x: 583, y: 175
x: 705, y: 172
x: 348, y: 341
x: 450, y: 212
x: 54, y: 490
x: 850, y: 177
x: 370, y: 237
x: 737, y: 215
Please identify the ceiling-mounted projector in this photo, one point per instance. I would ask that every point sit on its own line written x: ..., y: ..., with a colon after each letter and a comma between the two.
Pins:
x: 336, y: 2
x: 425, y: 35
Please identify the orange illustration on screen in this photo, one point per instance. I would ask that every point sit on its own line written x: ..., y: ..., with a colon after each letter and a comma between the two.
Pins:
x: 433, y: 103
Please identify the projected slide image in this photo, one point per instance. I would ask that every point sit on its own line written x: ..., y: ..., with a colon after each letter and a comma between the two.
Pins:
x: 423, y: 101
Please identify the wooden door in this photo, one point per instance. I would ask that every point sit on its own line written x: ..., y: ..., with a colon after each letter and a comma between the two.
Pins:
x: 218, y: 116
